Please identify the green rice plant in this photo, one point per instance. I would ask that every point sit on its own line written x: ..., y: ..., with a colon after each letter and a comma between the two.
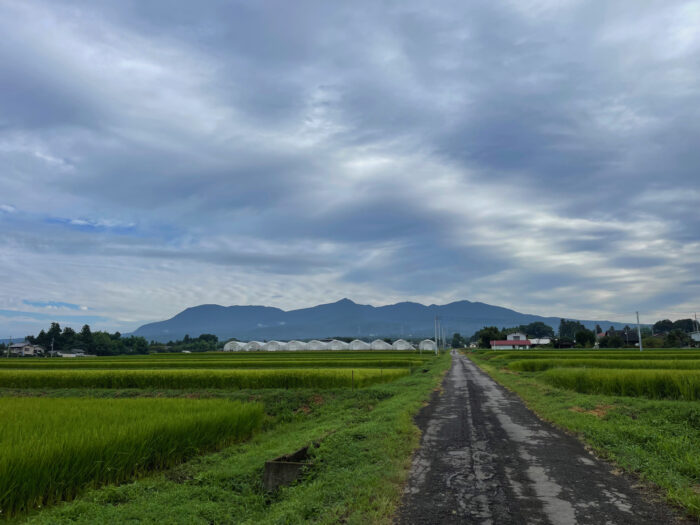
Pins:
x: 538, y: 365
x: 654, y: 384
x: 52, y: 449
x: 260, y: 362
x: 199, y: 379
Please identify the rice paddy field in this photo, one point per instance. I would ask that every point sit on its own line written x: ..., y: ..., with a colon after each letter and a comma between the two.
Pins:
x: 75, y: 432
x: 639, y: 409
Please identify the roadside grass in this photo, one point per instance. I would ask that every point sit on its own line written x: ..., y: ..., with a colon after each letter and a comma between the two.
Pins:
x: 365, y: 441
x: 658, y: 440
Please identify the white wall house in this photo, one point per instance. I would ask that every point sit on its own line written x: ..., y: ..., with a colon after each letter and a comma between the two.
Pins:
x: 297, y: 345
x: 25, y: 349
x: 516, y: 336
x: 511, y: 344
x: 253, y: 346
x: 379, y: 344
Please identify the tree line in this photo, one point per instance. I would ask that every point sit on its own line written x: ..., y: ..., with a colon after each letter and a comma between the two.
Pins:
x: 663, y: 334
x: 105, y: 343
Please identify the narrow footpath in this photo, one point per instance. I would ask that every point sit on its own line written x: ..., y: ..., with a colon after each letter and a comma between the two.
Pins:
x: 486, y: 458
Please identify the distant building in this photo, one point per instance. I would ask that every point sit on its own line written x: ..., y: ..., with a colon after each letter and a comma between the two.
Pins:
x: 335, y: 344
x: 401, y: 344
x: 629, y: 336
x: 356, y: 344
x: 379, y: 344
x: 511, y: 344
x: 25, y: 349
x: 541, y: 341
x: 274, y: 346
x: 695, y: 336
x: 234, y: 346
x: 516, y: 336
x: 427, y: 344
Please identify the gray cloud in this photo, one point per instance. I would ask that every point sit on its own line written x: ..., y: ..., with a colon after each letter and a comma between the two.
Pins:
x: 539, y: 155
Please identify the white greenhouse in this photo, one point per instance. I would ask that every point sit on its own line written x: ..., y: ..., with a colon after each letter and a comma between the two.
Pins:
x: 273, y: 346
x: 297, y: 345
x: 379, y: 344
x: 337, y: 345
x: 402, y: 344
x: 253, y: 346
x: 315, y: 344
x: 234, y: 346
x: 427, y: 344
x: 356, y: 344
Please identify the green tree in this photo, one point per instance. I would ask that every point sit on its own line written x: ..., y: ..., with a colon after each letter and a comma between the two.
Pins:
x: 538, y: 329
x: 54, y: 334
x: 86, y: 339
x: 585, y: 338
x: 676, y: 338
x: 685, y: 325
x: 68, y: 337
x: 488, y: 334
x: 103, y: 343
x: 612, y: 341
x: 663, y: 327
x: 458, y: 341
x: 568, y: 329
x: 598, y: 329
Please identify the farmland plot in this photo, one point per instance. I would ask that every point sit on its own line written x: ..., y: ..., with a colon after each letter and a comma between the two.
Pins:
x: 51, y: 449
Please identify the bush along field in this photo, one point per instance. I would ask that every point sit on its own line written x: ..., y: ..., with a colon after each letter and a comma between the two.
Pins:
x: 114, y: 462
x: 638, y: 409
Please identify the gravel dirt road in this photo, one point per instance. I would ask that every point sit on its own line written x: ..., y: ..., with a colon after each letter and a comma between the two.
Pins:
x: 486, y: 458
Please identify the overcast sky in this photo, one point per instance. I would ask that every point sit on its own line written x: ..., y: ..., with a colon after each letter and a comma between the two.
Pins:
x: 541, y: 155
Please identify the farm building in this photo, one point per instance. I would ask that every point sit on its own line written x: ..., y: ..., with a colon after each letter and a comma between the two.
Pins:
x: 315, y: 344
x: 379, y: 344
x: 402, y: 344
x: 297, y: 345
x: 358, y: 345
x: 516, y: 341
x: 253, y: 346
x: 274, y: 346
x: 337, y: 345
x: 427, y: 344
x: 234, y: 346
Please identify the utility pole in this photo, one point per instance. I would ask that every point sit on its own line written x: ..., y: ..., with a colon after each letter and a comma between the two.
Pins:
x: 639, y: 333
x: 435, y: 326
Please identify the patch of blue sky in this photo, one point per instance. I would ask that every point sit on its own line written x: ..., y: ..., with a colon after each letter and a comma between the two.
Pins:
x: 91, y: 225
x: 52, y: 317
x: 53, y: 304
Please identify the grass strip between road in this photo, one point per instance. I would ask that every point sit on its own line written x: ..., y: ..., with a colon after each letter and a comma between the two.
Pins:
x: 658, y: 440
x: 365, y: 441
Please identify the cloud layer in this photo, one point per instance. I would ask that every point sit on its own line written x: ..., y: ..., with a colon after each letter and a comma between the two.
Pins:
x: 538, y: 155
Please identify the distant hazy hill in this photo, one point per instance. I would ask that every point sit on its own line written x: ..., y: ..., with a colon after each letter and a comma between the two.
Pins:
x: 343, y: 318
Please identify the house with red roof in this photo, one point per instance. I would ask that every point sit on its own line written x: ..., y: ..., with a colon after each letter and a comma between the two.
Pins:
x: 515, y: 341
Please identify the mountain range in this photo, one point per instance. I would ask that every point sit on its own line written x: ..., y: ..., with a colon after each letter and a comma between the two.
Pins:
x: 343, y: 318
